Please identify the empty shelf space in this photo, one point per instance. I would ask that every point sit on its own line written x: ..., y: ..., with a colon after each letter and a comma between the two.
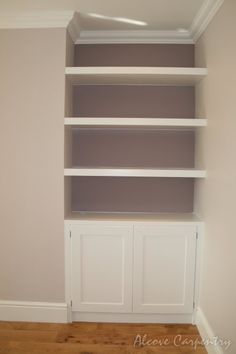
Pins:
x: 135, y: 75
x: 129, y: 148
x: 131, y: 54
x: 92, y: 194
x: 128, y: 101
x: 130, y: 131
x: 135, y: 172
x: 134, y: 122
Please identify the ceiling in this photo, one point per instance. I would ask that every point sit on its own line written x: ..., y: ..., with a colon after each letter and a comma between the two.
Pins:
x: 153, y: 14
x: 179, y: 16
x: 158, y: 14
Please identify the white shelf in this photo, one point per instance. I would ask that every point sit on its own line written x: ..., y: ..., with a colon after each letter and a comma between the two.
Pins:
x: 135, y: 75
x: 135, y: 122
x: 137, y: 217
x: 135, y: 172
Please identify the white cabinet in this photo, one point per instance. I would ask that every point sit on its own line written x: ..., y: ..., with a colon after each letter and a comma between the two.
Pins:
x: 101, y: 268
x: 132, y: 268
x: 164, y: 267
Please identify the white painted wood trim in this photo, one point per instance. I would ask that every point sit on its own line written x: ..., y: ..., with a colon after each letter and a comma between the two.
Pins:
x: 135, y: 172
x: 198, y: 267
x: 130, y: 318
x: 137, y: 36
x: 206, y: 332
x: 133, y: 122
x: 67, y: 242
x: 129, y: 218
x: 200, y: 22
x: 33, y: 311
x: 74, y: 27
x: 70, y: 20
x: 35, y: 19
x: 134, y: 70
x: 135, y: 75
x: 203, y: 18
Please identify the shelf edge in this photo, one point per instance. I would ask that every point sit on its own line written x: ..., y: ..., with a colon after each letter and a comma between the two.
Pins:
x: 126, y: 172
x: 155, y: 122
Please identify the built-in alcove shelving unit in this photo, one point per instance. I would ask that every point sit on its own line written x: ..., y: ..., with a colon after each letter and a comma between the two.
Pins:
x: 130, y: 173
x: 130, y: 131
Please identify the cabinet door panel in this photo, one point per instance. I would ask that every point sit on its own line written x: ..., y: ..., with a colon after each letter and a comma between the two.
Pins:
x: 102, y: 268
x: 164, y: 268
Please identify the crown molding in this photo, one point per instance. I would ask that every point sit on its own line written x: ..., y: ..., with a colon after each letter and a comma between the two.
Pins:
x: 36, y: 19
x: 70, y: 20
x: 74, y: 27
x: 203, y: 18
x: 135, y: 36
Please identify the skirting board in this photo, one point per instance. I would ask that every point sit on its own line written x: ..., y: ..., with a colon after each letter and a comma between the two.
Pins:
x: 33, y: 311
x: 206, y: 332
x: 130, y: 317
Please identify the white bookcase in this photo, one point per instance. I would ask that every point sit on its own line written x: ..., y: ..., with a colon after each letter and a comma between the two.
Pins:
x: 126, y: 261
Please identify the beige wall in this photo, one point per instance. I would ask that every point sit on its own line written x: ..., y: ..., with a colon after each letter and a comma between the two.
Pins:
x: 32, y: 157
x: 216, y: 99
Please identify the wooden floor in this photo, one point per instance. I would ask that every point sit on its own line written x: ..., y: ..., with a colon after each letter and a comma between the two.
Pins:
x: 97, y: 338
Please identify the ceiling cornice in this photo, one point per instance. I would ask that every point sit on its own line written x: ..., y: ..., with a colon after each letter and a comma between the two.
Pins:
x: 70, y: 20
x: 136, y: 36
x: 204, y: 16
x: 74, y: 27
x: 35, y: 19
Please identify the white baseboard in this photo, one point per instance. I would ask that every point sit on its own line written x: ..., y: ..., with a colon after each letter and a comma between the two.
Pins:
x: 130, y: 317
x: 33, y: 311
x: 206, y: 332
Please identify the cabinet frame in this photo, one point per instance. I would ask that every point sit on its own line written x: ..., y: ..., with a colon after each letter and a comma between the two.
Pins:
x: 133, y: 317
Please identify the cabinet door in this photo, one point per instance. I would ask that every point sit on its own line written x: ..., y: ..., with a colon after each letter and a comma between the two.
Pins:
x: 101, y: 268
x: 164, y: 268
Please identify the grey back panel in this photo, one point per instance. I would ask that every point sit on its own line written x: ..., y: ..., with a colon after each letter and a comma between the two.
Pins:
x: 133, y: 148
x: 171, y: 55
x: 134, y: 101
x: 148, y: 195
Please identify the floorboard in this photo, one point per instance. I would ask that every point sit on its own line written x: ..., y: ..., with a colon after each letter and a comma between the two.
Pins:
x: 98, y: 338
